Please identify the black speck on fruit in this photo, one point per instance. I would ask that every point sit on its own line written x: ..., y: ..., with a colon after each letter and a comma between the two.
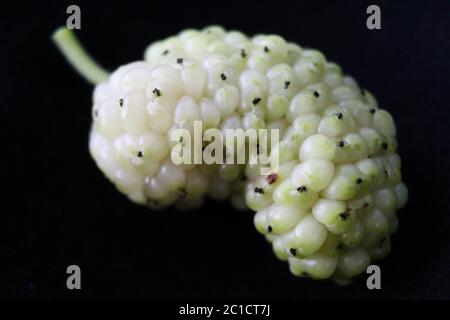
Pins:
x: 287, y: 84
x: 157, y: 92
x: 259, y: 190
x: 256, y: 101
x: 344, y: 215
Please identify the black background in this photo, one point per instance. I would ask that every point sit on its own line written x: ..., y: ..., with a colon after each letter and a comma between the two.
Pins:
x: 58, y: 209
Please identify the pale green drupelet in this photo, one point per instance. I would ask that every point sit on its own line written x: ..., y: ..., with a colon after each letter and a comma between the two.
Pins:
x: 330, y: 207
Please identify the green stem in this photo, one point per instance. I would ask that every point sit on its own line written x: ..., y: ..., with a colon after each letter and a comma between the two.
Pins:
x: 74, y: 52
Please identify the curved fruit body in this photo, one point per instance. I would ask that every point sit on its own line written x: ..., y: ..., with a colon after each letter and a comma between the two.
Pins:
x: 328, y: 209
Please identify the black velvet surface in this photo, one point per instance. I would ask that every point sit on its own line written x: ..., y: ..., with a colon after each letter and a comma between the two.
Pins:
x: 58, y: 209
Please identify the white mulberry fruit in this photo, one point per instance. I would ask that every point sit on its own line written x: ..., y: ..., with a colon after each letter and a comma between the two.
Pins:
x: 328, y: 209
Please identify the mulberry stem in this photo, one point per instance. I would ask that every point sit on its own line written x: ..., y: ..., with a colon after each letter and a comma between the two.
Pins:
x: 71, y: 48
